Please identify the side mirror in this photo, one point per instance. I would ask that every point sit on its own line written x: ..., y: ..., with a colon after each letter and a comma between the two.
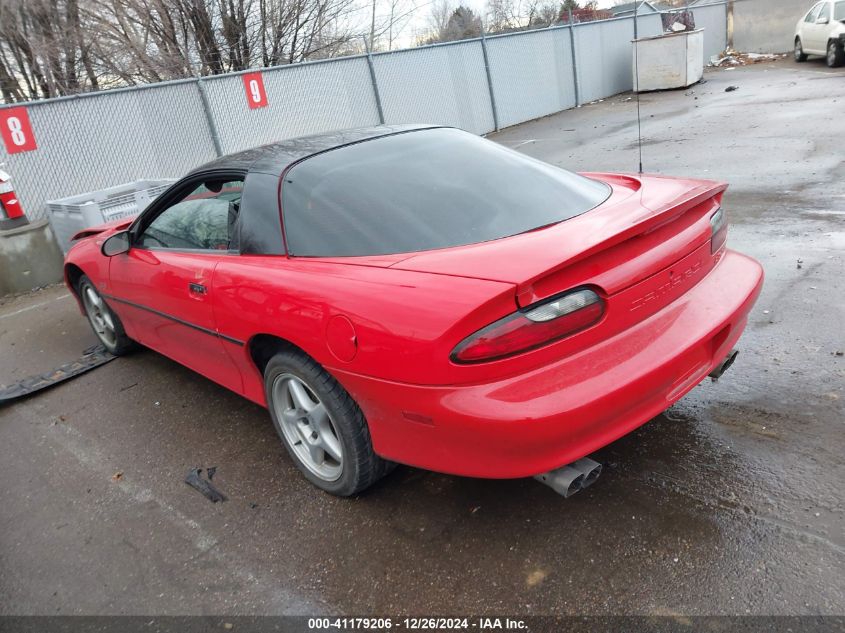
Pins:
x: 823, y: 21
x: 116, y: 244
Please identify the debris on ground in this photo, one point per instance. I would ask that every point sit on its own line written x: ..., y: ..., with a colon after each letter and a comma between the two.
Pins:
x: 204, y: 486
x: 210, y: 472
x: 4, y: 299
x: 731, y: 58
x: 117, y: 476
x: 91, y: 358
x: 731, y: 88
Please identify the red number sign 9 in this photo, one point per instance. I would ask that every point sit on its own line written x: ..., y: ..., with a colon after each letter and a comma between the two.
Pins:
x: 256, y: 97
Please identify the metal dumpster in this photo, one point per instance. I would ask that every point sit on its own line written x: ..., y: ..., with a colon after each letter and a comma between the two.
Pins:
x: 670, y: 60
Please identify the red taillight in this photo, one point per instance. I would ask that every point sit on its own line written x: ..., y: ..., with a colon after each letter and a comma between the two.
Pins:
x: 531, y: 328
x: 718, y: 230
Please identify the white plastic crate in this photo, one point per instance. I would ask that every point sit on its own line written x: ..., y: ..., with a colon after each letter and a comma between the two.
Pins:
x: 69, y: 215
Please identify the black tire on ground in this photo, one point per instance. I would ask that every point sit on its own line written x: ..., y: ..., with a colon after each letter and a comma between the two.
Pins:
x: 116, y: 343
x: 800, y: 56
x: 835, y: 54
x: 360, y: 467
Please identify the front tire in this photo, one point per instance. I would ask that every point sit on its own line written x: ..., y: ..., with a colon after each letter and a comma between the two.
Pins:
x: 321, y: 426
x: 835, y: 54
x: 800, y: 56
x: 105, y: 323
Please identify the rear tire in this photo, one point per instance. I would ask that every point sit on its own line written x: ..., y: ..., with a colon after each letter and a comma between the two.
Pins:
x: 800, y: 56
x: 321, y: 426
x: 835, y: 54
x: 104, y: 321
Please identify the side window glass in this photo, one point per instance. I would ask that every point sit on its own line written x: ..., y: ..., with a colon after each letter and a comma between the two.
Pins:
x: 814, y: 12
x: 825, y: 12
x: 203, y: 220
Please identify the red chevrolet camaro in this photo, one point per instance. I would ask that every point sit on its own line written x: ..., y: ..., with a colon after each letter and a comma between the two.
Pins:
x: 418, y: 294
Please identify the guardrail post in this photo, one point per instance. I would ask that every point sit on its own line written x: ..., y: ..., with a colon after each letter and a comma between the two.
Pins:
x: 489, y: 80
x: 374, y: 81
x: 209, y: 118
x: 575, y: 81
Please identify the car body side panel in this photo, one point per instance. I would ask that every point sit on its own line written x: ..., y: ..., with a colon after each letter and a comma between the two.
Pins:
x: 164, y: 298
x: 85, y: 255
x: 405, y: 323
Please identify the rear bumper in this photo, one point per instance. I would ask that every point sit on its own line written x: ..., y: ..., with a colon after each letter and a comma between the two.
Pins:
x: 538, y: 421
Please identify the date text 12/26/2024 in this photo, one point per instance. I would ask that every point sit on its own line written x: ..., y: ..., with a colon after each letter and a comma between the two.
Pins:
x: 417, y: 624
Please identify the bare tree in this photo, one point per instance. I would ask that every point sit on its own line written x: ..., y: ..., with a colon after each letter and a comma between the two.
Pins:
x: 38, y: 49
x: 502, y: 16
x: 51, y: 48
x: 388, y: 18
x: 399, y: 16
x: 463, y: 24
x: 543, y: 14
x: 438, y: 18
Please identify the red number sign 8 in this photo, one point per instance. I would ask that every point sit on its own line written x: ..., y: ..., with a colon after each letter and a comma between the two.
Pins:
x: 18, y: 137
x: 16, y: 130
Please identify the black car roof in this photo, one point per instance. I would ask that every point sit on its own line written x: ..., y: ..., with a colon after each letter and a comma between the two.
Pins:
x: 273, y: 158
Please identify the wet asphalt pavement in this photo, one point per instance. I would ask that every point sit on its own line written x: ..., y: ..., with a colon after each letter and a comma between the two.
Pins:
x: 729, y: 503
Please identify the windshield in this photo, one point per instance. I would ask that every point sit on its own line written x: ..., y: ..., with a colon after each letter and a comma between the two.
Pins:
x: 424, y: 190
x: 839, y: 11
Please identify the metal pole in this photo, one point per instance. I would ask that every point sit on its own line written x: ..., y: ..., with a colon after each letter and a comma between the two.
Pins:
x: 729, y: 25
x: 637, y: 84
x: 574, y: 60
x: 373, y: 27
x: 209, y: 118
x: 489, y: 80
x: 374, y: 82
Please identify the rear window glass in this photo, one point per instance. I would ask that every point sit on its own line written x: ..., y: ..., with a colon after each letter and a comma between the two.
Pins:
x: 839, y: 11
x: 424, y: 190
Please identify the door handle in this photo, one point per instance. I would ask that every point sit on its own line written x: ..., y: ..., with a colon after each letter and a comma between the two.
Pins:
x: 197, y: 289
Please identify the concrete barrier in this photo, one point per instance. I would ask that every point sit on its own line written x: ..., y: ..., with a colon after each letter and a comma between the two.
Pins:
x: 29, y: 258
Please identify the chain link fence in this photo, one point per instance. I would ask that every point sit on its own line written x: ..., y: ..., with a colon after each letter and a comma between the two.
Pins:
x: 163, y: 130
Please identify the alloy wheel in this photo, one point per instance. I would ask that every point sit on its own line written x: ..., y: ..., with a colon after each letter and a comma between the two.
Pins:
x: 308, y: 427
x: 100, y: 316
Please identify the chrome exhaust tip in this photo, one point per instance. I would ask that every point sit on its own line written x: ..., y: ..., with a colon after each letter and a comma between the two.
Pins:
x: 591, y: 470
x: 568, y: 480
x: 722, y: 367
x: 565, y: 481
